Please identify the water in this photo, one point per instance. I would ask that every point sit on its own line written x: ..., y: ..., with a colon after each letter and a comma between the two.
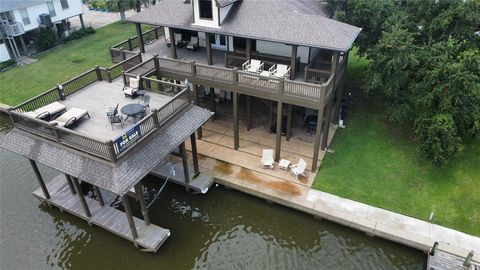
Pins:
x: 224, y: 229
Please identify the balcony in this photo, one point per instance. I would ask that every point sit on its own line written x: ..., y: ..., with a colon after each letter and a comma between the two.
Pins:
x: 11, y: 29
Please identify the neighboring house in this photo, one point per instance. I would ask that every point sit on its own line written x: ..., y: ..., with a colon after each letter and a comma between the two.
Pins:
x: 20, y: 18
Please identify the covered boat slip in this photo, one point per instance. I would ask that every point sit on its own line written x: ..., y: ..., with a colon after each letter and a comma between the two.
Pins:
x: 118, y: 178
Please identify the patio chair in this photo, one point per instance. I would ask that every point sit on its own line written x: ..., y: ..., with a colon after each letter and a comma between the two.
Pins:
x: 47, y: 112
x: 114, y: 117
x: 280, y: 71
x: 112, y: 111
x: 140, y: 115
x: 267, y: 158
x: 299, y: 168
x: 146, y: 102
x: 193, y: 44
x: 253, y: 65
x: 70, y: 117
x: 132, y: 88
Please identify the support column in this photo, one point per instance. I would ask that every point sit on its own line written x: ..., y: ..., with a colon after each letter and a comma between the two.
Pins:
x: 326, y: 125
x: 278, y: 139
x: 293, y: 64
x: 141, y: 44
x: 99, y: 196
x: 236, y: 139
x: 289, y: 121
x: 128, y: 212
x: 193, y: 143
x: 70, y: 183
x: 39, y: 179
x: 80, y: 16
x: 270, y: 117
x: 316, y: 147
x: 143, y: 205
x: 212, y: 102
x: 173, y: 45
x: 83, y: 202
x: 338, y: 105
x: 249, y: 112
x: 249, y: 49
x: 22, y: 43
x: 197, y: 102
x: 209, y: 48
x: 183, y: 155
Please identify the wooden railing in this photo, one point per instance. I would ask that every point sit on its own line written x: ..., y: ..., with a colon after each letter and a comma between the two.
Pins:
x: 124, y: 49
x: 38, y: 101
x: 160, y: 86
x: 315, y: 75
x: 73, y: 85
x: 142, y: 68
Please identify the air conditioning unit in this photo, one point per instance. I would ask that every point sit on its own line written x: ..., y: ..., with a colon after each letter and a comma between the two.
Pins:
x: 45, y: 19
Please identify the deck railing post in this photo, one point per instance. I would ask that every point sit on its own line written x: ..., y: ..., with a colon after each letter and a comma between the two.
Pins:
x: 140, y: 57
x: 111, y: 150
x: 467, y: 262
x: 111, y: 53
x: 109, y: 75
x: 124, y: 57
x: 155, y: 31
x: 235, y: 75
x: 39, y: 179
x: 97, y: 71
x: 193, y: 68
x: 155, y: 118
x: 61, y: 93
x: 281, y: 86
x: 129, y: 41
x: 157, y: 65
x: 124, y: 78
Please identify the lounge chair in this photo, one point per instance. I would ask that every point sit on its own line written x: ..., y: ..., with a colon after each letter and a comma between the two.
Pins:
x: 193, y: 44
x: 132, y: 88
x: 280, y: 71
x: 253, y: 65
x: 267, y: 158
x: 47, y: 112
x: 70, y: 117
x: 299, y: 168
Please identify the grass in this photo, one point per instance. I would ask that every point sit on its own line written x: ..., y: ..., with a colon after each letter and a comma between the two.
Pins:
x: 61, y: 64
x: 376, y: 162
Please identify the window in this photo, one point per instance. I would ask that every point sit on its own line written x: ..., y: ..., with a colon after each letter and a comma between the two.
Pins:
x: 64, y: 4
x: 25, y: 18
x: 206, y: 11
x: 223, y: 40
x: 51, y: 9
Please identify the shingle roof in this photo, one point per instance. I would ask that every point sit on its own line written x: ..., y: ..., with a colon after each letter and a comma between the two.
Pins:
x: 302, y: 22
x: 8, y: 5
x: 118, y: 178
x: 224, y: 3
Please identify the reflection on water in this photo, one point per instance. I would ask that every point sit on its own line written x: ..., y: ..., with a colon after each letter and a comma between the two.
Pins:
x: 221, y: 230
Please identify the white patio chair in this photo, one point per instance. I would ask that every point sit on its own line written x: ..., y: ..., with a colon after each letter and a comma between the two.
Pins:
x: 299, y: 168
x: 178, y: 39
x: 193, y: 44
x: 48, y: 111
x: 132, y: 88
x: 280, y: 71
x: 70, y: 117
x: 267, y: 158
x: 253, y: 65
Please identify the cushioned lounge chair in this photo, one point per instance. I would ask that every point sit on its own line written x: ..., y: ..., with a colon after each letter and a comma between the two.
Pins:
x: 70, y: 117
x: 193, y: 44
x: 47, y: 112
x: 132, y: 88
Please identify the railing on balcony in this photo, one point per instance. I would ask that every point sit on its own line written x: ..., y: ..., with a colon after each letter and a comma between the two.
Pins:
x: 125, y: 49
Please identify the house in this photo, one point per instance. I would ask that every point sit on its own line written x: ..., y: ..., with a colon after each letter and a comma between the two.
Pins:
x: 20, y: 18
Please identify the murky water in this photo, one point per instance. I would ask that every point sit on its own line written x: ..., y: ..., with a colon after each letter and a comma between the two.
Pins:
x: 224, y: 229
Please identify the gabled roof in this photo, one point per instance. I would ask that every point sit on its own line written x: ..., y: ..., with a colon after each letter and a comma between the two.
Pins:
x: 8, y: 5
x: 224, y: 3
x: 298, y: 22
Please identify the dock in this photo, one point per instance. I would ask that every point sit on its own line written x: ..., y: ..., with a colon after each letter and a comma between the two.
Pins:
x: 150, y: 238
x: 442, y: 260
x: 199, y: 183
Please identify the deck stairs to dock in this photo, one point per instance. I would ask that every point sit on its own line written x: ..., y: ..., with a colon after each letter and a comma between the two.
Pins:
x: 442, y: 260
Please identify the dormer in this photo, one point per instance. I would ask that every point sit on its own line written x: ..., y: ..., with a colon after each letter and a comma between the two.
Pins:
x: 211, y: 13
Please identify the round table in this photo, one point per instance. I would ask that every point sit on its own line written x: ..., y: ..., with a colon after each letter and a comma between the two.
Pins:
x: 132, y: 109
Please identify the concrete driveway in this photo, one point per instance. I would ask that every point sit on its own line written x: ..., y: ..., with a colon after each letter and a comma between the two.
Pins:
x: 97, y: 19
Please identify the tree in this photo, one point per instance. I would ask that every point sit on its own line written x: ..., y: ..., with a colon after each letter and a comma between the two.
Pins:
x: 121, y: 6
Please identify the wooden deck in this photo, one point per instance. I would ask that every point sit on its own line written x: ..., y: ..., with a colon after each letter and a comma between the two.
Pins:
x: 445, y: 261
x: 149, y: 238
x: 97, y: 98
x: 200, y: 183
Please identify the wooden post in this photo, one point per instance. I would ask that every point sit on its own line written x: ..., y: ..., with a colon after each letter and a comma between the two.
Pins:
x: 83, y: 202
x: 99, y: 196
x: 249, y: 49
x: 193, y: 142
x: 197, y: 102
x: 97, y: 71
x: 270, y: 117
x: 140, y: 37
x: 143, y: 205
x: 82, y: 23
x: 289, y: 121
x: 326, y: 125
x: 467, y: 262
x: 209, y: 48
x: 212, y: 102
x: 128, y: 212
x: 183, y: 154
x: 173, y: 46
x: 70, y: 184
x: 293, y: 64
x: 39, y: 179
x: 318, y: 133
x: 278, y: 139
x: 155, y: 31
x: 129, y: 43
x: 249, y: 112
x: 236, y: 139
x: 339, y: 95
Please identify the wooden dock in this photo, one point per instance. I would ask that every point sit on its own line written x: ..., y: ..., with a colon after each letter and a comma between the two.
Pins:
x: 201, y: 183
x: 150, y: 238
x: 446, y: 261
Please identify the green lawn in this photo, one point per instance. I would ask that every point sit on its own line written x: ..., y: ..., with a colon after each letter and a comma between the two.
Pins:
x: 21, y: 83
x: 376, y: 162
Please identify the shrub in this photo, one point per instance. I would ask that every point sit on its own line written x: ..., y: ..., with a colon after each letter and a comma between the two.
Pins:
x: 80, y: 33
x: 6, y: 64
x: 45, y: 40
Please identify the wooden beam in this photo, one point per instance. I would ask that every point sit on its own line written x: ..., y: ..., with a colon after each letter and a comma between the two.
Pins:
x: 70, y: 183
x: 249, y: 49
x: 82, y: 23
x: 289, y: 121
x: 326, y: 125
x: 196, y: 93
x: 209, y: 48
x: 141, y: 44
x: 339, y: 97
x: 39, y: 179
x: 173, y: 46
x: 212, y: 102
x: 131, y: 223
x: 236, y: 139
x: 293, y: 63
x: 270, y: 117
x: 316, y: 146
x: 143, y: 204
x: 183, y: 155
x: 83, y: 202
x: 99, y: 196
x: 193, y: 143
x: 249, y: 112
x: 278, y: 138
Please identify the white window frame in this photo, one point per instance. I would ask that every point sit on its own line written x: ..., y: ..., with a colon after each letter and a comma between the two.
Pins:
x: 64, y: 4
x: 24, y: 14
x: 52, y: 11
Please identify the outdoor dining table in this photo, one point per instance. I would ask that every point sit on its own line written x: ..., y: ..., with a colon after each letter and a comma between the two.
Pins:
x: 132, y: 109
